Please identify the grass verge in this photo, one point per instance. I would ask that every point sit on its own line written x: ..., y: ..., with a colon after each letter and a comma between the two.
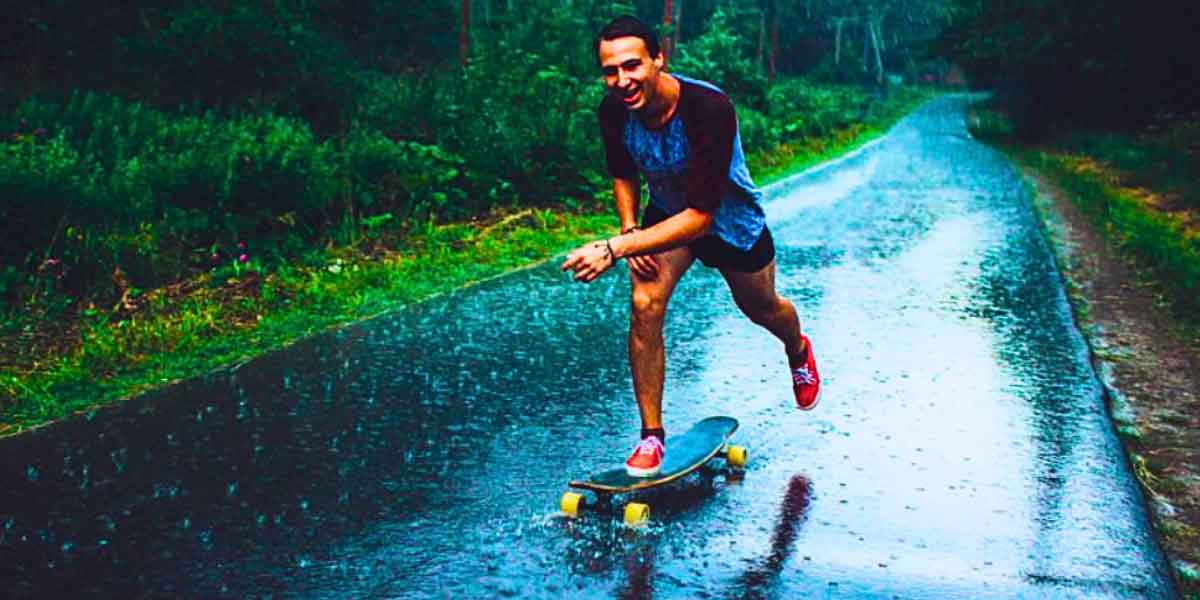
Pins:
x: 1144, y: 206
x: 235, y: 313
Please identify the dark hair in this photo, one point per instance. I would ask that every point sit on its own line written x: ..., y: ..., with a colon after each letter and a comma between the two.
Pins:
x: 628, y: 26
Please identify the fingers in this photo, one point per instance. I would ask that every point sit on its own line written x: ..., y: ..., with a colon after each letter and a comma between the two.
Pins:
x: 588, y: 262
x: 572, y: 262
x: 644, y: 267
x: 588, y: 272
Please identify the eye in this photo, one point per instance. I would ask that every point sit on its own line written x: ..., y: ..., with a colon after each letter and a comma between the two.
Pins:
x: 609, y: 71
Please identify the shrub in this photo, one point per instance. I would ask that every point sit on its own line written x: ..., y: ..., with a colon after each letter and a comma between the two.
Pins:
x: 717, y: 56
x: 407, y: 179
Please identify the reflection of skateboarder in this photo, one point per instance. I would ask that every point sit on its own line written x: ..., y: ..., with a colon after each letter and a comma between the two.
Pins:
x: 682, y: 135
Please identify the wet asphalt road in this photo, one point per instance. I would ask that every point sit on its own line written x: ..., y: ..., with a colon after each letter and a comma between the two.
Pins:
x: 960, y: 450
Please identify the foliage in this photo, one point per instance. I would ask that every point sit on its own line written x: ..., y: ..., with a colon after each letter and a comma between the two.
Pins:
x: 407, y: 180
x: 159, y: 144
x: 1159, y: 239
x: 717, y: 56
x: 1111, y: 63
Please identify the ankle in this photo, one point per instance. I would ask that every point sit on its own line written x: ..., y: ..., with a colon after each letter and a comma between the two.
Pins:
x: 657, y: 432
x: 796, y: 357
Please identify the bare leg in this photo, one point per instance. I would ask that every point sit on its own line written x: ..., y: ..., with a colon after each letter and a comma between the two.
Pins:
x: 755, y: 294
x: 648, y: 309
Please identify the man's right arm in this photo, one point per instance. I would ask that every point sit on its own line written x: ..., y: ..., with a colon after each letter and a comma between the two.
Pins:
x: 625, y: 194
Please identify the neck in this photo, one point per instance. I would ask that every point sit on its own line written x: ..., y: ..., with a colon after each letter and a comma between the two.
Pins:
x: 666, y: 98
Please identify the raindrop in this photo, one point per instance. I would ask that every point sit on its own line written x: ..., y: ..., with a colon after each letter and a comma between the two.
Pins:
x: 31, y: 473
x: 231, y: 489
x: 304, y: 504
x: 186, y: 523
x: 120, y: 458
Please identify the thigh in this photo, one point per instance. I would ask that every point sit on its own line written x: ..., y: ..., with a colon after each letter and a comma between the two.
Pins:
x: 752, y: 290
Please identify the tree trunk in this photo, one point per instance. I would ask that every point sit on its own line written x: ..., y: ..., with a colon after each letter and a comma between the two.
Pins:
x: 837, y: 42
x: 878, y: 56
x: 866, y: 57
x: 666, y: 38
x: 762, y: 35
x: 464, y: 33
x: 678, y: 23
x: 774, y: 42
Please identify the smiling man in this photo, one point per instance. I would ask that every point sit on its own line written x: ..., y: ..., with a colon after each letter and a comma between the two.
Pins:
x: 682, y: 136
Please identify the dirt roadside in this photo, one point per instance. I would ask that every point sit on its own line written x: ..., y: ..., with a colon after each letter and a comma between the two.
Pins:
x: 1148, y: 365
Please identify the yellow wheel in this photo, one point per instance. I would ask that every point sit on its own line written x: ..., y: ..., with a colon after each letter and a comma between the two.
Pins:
x: 637, y: 513
x: 571, y: 503
x: 736, y: 456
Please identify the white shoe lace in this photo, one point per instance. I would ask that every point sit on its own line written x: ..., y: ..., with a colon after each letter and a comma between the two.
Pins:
x: 649, y: 444
x: 801, y: 376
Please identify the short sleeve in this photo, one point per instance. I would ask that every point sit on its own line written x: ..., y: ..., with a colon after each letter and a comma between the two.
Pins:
x: 612, y: 123
x: 710, y: 125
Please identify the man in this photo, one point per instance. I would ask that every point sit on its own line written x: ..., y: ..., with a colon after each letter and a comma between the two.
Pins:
x: 681, y: 134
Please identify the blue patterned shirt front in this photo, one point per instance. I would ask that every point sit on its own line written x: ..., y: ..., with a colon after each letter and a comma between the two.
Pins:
x: 663, y: 157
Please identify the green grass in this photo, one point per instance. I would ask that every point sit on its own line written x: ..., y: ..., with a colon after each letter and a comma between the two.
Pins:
x: 1160, y: 240
x: 234, y: 314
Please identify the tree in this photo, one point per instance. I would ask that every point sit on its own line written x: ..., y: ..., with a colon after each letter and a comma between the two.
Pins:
x: 464, y: 33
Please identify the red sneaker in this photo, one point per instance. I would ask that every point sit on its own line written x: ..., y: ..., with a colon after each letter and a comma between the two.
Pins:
x: 646, y: 460
x: 806, y: 382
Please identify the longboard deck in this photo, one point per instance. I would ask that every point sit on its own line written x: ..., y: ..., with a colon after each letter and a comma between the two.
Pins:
x: 685, y: 453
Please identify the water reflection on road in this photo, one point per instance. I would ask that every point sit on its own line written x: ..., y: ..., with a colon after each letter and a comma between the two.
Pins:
x: 961, y: 448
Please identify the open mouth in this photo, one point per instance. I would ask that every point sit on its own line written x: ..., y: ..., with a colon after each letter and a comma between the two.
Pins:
x: 632, y: 97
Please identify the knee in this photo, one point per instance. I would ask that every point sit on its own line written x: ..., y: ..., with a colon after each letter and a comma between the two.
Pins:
x: 647, y: 308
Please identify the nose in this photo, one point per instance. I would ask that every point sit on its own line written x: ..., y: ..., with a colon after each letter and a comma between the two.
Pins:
x: 622, y: 80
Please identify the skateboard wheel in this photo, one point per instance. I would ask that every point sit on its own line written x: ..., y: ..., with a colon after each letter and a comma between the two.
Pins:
x: 736, y: 456
x: 571, y: 503
x: 637, y: 513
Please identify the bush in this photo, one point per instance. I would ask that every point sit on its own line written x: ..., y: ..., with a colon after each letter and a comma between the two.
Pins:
x: 46, y: 186
x: 406, y: 179
x: 717, y: 56
x: 803, y: 109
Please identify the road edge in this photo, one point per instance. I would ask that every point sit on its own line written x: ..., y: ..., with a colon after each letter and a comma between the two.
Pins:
x: 1061, y: 226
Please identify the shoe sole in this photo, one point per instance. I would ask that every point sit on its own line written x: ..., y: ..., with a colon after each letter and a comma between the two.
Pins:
x: 636, y: 472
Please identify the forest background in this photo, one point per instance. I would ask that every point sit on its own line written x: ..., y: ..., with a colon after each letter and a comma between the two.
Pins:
x: 184, y: 184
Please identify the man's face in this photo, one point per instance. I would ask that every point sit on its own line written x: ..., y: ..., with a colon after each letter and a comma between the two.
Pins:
x: 630, y: 73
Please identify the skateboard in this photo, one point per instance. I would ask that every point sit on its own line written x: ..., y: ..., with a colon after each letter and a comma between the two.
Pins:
x: 684, y: 453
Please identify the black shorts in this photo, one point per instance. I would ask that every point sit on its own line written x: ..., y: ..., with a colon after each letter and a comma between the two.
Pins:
x: 719, y: 254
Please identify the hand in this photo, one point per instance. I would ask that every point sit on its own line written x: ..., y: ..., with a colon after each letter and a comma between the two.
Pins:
x: 589, y: 261
x: 644, y: 267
